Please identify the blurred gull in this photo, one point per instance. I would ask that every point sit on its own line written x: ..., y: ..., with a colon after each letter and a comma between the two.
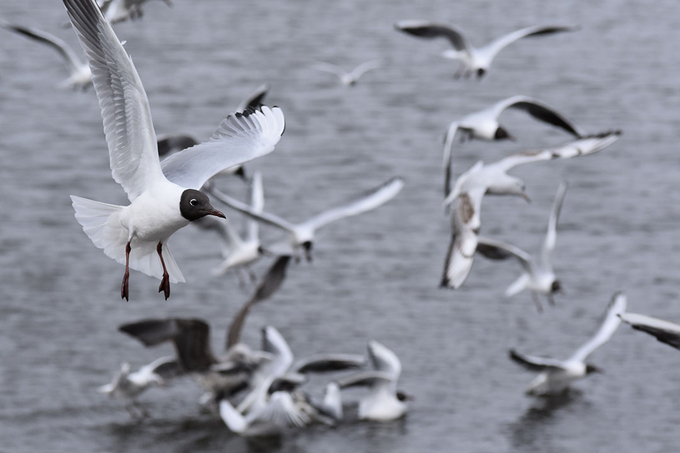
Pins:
x: 664, y: 331
x: 301, y: 235
x: 164, y: 198
x: 556, y: 375
x: 538, y: 275
x: 384, y: 402
x: 466, y: 197
x: 121, y: 10
x: 127, y: 385
x: 484, y: 125
x: 344, y: 77
x: 473, y: 60
x: 80, y: 76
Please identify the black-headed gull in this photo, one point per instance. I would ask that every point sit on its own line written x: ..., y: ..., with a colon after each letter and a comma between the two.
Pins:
x: 301, y: 235
x: 384, y: 402
x: 484, y: 125
x: 538, y: 275
x: 128, y: 385
x: 344, y: 77
x: 466, y: 197
x: 80, y: 76
x: 164, y: 198
x: 473, y: 60
x: 557, y: 375
x: 121, y: 10
x: 664, y: 331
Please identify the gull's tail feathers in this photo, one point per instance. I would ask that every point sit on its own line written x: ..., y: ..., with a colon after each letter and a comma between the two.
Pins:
x: 100, y: 221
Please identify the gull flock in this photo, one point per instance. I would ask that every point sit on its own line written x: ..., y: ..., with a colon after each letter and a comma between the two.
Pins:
x: 169, y: 183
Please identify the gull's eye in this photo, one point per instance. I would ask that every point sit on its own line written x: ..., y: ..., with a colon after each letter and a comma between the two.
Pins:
x: 193, y: 202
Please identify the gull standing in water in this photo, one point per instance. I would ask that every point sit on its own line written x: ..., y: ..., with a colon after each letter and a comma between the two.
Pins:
x: 347, y: 78
x: 538, y: 275
x: 664, y: 331
x: 557, y: 375
x: 301, y: 235
x: 164, y: 198
x: 127, y: 385
x: 473, y: 60
x: 484, y: 125
x: 466, y: 197
x: 384, y: 402
x: 80, y: 76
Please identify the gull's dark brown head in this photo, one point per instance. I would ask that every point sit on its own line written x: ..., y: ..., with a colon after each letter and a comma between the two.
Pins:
x: 194, y: 205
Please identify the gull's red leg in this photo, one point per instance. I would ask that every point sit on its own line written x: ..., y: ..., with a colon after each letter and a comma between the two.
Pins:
x: 165, y: 281
x: 124, y: 292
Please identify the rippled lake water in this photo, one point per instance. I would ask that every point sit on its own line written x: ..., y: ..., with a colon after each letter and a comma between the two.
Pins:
x: 374, y: 276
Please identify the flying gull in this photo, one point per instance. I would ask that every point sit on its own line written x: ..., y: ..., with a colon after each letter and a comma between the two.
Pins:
x: 80, y: 76
x: 164, y: 198
x: 473, y: 60
x: 538, y: 275
x: 556, y: 375
x: 344, y: 77
x: 466, y: 197
x: 116, y: 11
x: 301, y: 235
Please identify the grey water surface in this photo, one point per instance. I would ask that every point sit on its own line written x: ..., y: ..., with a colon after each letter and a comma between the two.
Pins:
x: 375, y: 276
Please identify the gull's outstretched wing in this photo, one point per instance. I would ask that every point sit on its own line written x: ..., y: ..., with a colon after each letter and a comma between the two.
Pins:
x: 323, y: 363
x: 539, y: 111
x: 366, y: 379
x: 128, y: 128
x: 664, y: 331
x: 166, y: 367
x: 264, y: 217
x: 239, y: 138
x: 331, y: 68
x: 430, y: 30
x: 254, y: 99
x: 363, y: 68
x: 448, y: 151
x: 534, y: 363
x: 384, y: 360
x: 274, y: 343
x: 71, y: 58
x: 499, y: 44
x: 498, y: 250
x: 177, y: 142
x: 366, y: 202
x: 551, y: 235
x: 269, y: 284
x: 257, y: 203
x: 610, y: 323
x: 581, y: 147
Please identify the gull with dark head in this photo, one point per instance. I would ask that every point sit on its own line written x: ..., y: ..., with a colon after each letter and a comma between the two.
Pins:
x: 664, y: 331
x: 484, y: 125
x: 465, y: 199
x: 163, y: 197
x: 384, y: 402
x: 557, y: 375
x: 473, y: 60
x: 301, y: 235
x: 128, y: 385
x: 344, y: 77
x: 80, y: 76
x: 538, y: 275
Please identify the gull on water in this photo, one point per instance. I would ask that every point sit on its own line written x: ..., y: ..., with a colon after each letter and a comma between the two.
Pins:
x: 344, y: 77
x: 484, y: 125
x: 383, y: 402
x: 163, y: 197
x: 228, y: 373
x: 473, y: 60
x: 469, y: 189
x: 301, y: 235
x: 664, y: 331
x: 80, y: 76
x: 557, y: 375
x: 538, y: 275
x: 276, y: 402
x: 128, y: 385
